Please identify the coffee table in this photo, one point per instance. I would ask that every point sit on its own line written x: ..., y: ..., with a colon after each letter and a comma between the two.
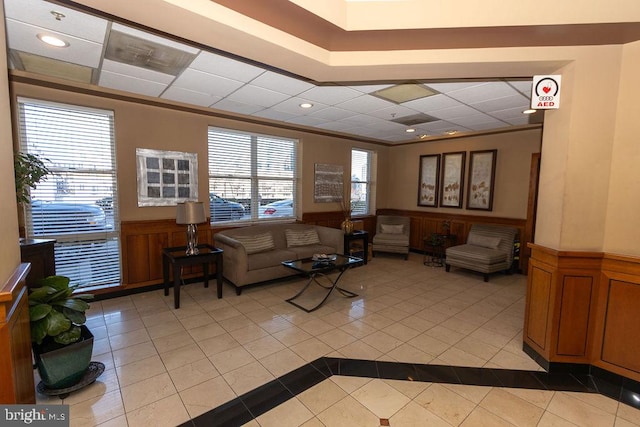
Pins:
x: 316, y: 270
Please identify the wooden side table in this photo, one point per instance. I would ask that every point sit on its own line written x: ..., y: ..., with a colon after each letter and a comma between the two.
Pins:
x: 437, y: 244
x: 355, y: 236
x: 177, y: 257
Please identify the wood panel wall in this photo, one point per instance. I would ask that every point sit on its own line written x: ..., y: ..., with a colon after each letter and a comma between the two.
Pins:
x: 582, y: 308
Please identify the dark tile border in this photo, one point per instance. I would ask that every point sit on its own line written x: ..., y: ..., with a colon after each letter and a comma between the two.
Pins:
x: 266, y: 397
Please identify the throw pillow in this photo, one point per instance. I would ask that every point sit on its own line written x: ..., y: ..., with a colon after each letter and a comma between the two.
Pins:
x: 391, y: 228
x: 490, y: 242
x: 257, y: 243
x: 301, y: 237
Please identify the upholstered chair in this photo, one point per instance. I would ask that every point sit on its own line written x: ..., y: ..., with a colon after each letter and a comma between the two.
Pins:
x: 392, y: 235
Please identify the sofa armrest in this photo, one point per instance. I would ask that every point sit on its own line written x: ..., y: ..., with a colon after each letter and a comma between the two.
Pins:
x: 331, y: 237
x: 234, y: 255
x: 228, y: 241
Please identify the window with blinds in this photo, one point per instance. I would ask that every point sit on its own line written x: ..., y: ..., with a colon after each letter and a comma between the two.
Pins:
x: 360, y: 182
x: 77, y: 203
x: 252, y: 177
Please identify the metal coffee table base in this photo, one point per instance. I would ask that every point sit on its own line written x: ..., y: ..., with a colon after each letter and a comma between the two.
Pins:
x: 313, y: 278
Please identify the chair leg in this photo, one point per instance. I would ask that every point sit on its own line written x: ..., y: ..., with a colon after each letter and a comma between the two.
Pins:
x: 486, y: 277
x: 238, y: 290
x: 447, y: 268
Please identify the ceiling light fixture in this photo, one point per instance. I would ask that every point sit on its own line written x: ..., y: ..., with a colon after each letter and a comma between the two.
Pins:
x: 410, y: 130
x: 58, y: 15
x: 529, y: 111
x: 52, y: 40
x: 451, y: 132
x: 306, y: 105
x: 423, y: 136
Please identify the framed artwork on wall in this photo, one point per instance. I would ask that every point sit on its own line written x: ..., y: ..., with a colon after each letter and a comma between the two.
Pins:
x: 166, y: 178
x: 451, y: 182
x: 482, y: 173
x: 328, y: 183
x: 428, y: 181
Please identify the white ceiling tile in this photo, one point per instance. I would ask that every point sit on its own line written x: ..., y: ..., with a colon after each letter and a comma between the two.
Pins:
x: 272, y: 114
x: 435, y: 102
x: 75, y: 23
x: 280, y: 83
x: 365, y: 104
x: 130, y: 84
x: 249, y: 94
x: 236, y: 107
x: 360, y: 119
x: 190, y: 96
x: 206, y: 83
x: 522, y: 86
x: 518, y: 121
x: 509, y: 113
x: 333, y: 113
x: 393, y: 112
x: 513, y: 101
x: 137, y: 72
x: 369, y: 88
x: 333, y: 125
x: 152, y: 37
x: 226, y: 67
x: 450, y: 86
x: 292, y: 106
x: 471, y: 120
x: 330, y: 95
x: 22, y: 37
x: 448, y: 113
x: 494, y: 124
x: 482, y: 92
x: 307, y: 121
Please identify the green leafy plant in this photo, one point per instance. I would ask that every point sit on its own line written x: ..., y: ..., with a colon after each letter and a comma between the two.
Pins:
x: 55, y: 312
x: 29, y: 171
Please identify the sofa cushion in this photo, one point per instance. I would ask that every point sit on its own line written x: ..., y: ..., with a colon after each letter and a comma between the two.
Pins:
x: 491, y: 242
x: 391, y: 239
x: 257, y: 242
x: 310, y: 250
x: 476, y: 253
x: 391, y: 228
x: 269, y: 259
x: 301, y: 237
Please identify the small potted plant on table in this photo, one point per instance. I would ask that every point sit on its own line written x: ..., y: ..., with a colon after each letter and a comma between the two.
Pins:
x: 62, y: 344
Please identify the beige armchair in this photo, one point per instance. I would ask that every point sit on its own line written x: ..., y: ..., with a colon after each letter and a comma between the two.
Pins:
x: 392, y: 235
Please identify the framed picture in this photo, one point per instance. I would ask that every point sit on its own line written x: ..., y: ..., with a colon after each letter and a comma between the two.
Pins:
x: 451, y: 182
x: 428, y: 182
x: 482, y: 173
x: 166, y: 178
x: 328, y: 183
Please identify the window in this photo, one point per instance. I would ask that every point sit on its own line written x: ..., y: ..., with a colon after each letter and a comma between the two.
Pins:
x: 360, y: 182
x: 77, y: 203
x: 251, y: 177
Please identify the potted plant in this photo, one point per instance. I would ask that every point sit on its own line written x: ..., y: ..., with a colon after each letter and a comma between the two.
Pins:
x: 62, y: 344
x: 29, y: 170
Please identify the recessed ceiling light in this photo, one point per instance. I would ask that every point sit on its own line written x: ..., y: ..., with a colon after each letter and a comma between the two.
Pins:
x: 451, y: 132
x: 306, y: 105
x: 52, y: 40
x: 529, y: 111
x: 410, y: 130
x: 423, y: 136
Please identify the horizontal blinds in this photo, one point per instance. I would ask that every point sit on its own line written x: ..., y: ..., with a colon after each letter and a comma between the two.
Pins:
x: 251, y: 176
x: 77, y: 203
x: 360, y: 182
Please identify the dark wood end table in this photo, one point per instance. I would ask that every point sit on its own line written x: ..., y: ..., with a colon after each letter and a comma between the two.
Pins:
x: 177, y: 257
x: 355, y: 236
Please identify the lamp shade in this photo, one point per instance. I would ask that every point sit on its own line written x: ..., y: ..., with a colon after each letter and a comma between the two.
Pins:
x: 190, y: 213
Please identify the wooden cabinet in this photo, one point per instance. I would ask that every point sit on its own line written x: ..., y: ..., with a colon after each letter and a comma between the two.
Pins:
x: 40, y: 254
x: 16, y: 365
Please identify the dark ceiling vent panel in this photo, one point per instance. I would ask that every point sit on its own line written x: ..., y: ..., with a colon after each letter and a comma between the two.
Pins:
x: 142, y: 53
x: 415, y: 119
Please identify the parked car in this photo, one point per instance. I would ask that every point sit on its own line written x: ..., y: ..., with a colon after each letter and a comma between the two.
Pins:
x: 224, y: 210
x: 280, y: 208
x: 66, y: 218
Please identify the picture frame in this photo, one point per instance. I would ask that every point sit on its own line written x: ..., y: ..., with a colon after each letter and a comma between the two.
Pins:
x: 451, y: 181
x: 166, y: 178
x: 428, y: 180
x: 328, y: 183
x: 482, y: 173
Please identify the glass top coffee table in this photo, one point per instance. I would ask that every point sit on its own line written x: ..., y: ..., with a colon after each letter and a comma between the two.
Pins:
x: 317, y: 270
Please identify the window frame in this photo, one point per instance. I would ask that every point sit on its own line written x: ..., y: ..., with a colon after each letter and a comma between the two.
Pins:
x: 368, y: 183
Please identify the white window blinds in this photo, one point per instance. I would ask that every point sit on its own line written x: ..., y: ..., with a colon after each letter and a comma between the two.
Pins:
x: 360, y: 182
x: 251, y: 177
x: 77, y: 203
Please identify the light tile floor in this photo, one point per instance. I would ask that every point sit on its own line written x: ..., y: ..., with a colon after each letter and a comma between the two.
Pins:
x: 165, y: 366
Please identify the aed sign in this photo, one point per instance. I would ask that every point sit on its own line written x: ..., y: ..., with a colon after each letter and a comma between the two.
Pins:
x: 545, y: 92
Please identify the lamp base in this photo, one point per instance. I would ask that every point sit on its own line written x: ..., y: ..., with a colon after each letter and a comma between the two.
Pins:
x: 192, y: 240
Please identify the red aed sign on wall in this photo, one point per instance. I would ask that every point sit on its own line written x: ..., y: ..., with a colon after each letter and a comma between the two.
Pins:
x: 545, y: 92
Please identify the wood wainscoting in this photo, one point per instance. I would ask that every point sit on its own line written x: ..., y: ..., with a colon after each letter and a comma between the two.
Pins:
x: 582, y: 308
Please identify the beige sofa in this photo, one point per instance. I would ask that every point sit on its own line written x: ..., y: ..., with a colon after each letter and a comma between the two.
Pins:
x: 254, y: 254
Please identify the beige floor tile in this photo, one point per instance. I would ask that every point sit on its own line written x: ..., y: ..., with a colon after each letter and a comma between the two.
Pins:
x: 101, y: 346
x: 450, y: 406
x: 221, y: 314
x: 629, y: 413
x: 236, y: 322
x: 192, y: 374
x: 104, y: 384
x: 210, y: 330
x: 275, y: 324
x: 348, y: 412
x: 456, y: 357
x: 413, y: 415
x: 140, y: 370
x: 429, y: 344
x: 621, y: 422
x: 511, y: 408
x: 550, y: 420
x: 124, y: 327
x: 349, y: 384
x: 291, y: 336
x: 201, y: 319
x: 134, y: 353
x: 472, y: 393
x: 336, y: 338
x: 316, y: 326
x: 401, y: 332
x: 120, y: 421
x: 337, y: 318
x: 540, y: 398
x: 218, y: 344
x: 313, y: 422
x: 506, y: 359
x: 382, y: 341
x: 380, y: 398
x: 480, y: 417
x: 377, y: 321
x: 180, y: 356
x: 358, y: 329
x: 566, y: 406
x: 168, y: 412
x: 282, y: 362
x: 248, y: 377
x: 167, y: 328
x: 445, y: 334
x: 291, y: 413
x: 248, y: 333
x: 599, y: 401
x: 360, y: 350
x: 231, y: 359
x: 409, y: 354
x: 147, y: 391
x: 206, y: 396
x: 311, y: 349
x: 411, y: 389
x: 172, y: 342
x: 477, y: 348
x: 96, y: 410
x: 263, y: 347
x: 321, y: 396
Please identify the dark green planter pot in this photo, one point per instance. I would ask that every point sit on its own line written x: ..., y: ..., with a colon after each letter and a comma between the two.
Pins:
x: 65, y: 366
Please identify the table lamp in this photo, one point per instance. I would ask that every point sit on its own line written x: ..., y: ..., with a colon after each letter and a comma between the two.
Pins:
x: 191, y: 213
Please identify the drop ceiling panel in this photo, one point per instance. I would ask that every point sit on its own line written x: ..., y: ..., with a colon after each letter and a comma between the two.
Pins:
x: 509, y: 113
x: 292, y: 106
x: 435, y: 102
x: 393, y: 112
x: 22, y: 37
x: 470, y: 120
x: 38, y: 13
x: 307, y: 121
x: 512, y: 101
x: 369, y: 88
x: 482, y: 92
x: 137, y: 72
x: 493, y: 124
x: 522, y: 86
x: 449, y: 113
x: 130, y: 84
x: 225, y: 67
x: 274, y: 115
x: 190, y: 97
x: 153, y: 38
x: 279, y: 83
x: 206, y: 83
x: 365, y: 104
x: 333, y: 113
x: 249, y: 94
x: 237, y: 107
x: 330, y: 95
